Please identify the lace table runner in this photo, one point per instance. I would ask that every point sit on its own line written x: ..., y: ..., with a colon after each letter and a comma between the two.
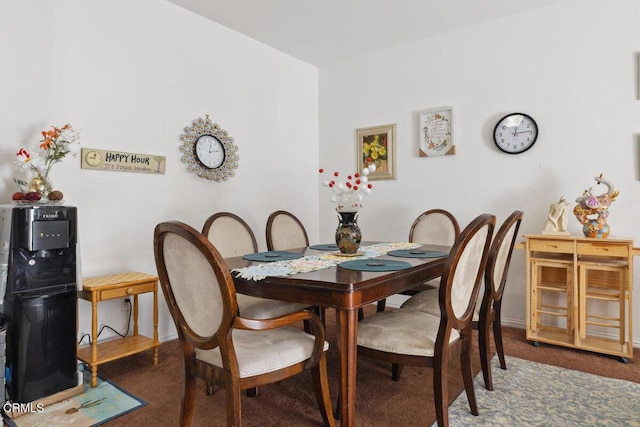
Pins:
x: 316, y: 262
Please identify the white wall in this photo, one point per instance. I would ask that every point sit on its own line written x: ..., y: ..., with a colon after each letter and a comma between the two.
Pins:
x: 132, y: 80
x: 131, y: 76
x: 571, y: 65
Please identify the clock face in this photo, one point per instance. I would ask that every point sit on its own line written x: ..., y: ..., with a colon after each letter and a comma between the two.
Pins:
x: 515, y: 133
x: 210, y: 151
x: 93, y: 158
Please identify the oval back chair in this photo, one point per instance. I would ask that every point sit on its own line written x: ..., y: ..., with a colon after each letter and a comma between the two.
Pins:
x: 412, y: 337
x: 232, y: 236
x: 285, y: 231
x: 432, y: 227
x: 487, y: 314
x: 220, y: 346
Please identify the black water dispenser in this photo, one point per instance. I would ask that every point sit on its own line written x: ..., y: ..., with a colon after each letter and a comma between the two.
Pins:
x: 38, y: 271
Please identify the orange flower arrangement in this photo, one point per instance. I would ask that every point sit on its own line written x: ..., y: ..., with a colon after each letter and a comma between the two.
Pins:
x: 56, y: 145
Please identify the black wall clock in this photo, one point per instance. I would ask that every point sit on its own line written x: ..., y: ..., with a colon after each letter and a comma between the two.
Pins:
x: 515, y: 133
x: 208, y: 150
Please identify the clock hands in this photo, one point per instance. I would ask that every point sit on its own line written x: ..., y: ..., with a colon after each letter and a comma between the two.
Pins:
x: 216, y: 150
x: 515, y: 133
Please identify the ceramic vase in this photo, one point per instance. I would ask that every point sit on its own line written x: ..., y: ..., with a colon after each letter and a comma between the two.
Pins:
x: 595, y: 228
x: 348, y: 233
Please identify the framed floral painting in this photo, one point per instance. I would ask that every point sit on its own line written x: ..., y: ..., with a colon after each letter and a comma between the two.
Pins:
x: 436, y: 132
x: 377, y: 146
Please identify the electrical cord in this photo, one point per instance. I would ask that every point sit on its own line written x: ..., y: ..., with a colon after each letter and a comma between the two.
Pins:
x: 88, y: 336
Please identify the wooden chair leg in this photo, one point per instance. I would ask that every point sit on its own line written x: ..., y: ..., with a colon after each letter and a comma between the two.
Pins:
x: 321, y: 388
x: 497, y: 333
x: 467, y: 376
x: 483, y: 344
x: 210, y: 388
x: 338, y: 411
x: 381, y: 305
x: 234, y: 412
x: 321, y: 313
x: 396, y: 371
x: 440, y: 390
x: 188, y: 397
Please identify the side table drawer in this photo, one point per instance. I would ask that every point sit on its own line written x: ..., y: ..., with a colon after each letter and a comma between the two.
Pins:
x: 555, y: 246
x: 603, y: 249
x: 125, y: 291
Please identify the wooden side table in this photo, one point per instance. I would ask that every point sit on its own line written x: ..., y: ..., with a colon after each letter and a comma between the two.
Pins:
x: 102, y: 288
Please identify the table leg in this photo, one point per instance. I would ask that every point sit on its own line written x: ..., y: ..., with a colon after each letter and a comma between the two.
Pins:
x: 155, y: 325
x: 135, y: 314
x: 94, y: 340
x: 348, y: 341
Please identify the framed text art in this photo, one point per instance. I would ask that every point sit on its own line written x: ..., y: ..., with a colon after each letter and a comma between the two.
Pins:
x: 436, y: 132
x: 377, y: 146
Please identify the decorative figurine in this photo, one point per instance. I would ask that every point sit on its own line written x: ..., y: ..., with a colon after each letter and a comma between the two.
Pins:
x: 556, y: 223
x: 593, y: 211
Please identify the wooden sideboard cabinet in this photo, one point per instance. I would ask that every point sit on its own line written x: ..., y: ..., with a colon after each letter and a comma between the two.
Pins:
x: 579, y: 293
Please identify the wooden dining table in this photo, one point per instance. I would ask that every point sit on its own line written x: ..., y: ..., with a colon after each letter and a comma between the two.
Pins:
x: 346, y: 291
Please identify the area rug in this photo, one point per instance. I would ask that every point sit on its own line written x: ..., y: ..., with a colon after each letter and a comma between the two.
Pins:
x: 535, y: 394
x: 94, y: 407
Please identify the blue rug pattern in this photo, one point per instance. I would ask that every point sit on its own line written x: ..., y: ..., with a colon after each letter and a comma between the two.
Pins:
x: 94, y: 407
x: 535, y: 394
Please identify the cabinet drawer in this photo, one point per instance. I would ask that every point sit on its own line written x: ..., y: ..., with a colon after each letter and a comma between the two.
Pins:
x: 556, y: 246
x: 603, y: 249
x: 126, y: 291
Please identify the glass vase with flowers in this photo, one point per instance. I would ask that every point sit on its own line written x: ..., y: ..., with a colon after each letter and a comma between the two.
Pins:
x: 348, y: 197
x: 56, y: 145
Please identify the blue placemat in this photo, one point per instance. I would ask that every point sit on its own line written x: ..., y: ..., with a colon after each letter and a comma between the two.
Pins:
x: 416, y: 253
x: 326, y: 247
x: 272, y: 256
x: 373, y: 264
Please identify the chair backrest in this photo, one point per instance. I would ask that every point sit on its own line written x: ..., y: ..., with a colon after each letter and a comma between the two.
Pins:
x: 230, y: 234
x: 463, y: 272
x: 285, y: 231
x: 196, y: 283
x: 499, y: 259
x: 435, y: 227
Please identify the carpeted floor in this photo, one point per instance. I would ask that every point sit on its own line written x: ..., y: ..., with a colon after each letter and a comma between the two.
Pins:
x: 379, y: 400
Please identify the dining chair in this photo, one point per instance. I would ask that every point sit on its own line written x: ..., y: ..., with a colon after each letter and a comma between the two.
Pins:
x: 232, y: 236
x: 432, y: 227
x: 411, y: 337
x: 487, y: 315
x: 218, y: 344
x: 285, y: 231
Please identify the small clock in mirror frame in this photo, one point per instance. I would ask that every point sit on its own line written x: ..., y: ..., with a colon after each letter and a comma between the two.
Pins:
x: 515, y: 133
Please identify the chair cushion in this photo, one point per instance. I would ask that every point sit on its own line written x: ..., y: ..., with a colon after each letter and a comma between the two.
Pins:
x: 265, y: 308
x: 259, y: 352
x: 427, y: 302
x: 403, y: 331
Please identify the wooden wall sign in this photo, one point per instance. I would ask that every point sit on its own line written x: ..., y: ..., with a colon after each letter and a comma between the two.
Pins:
x: 120, y: 161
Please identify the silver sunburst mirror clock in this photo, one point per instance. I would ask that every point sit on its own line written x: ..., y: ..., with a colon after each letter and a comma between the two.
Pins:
x: 208, y: 150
